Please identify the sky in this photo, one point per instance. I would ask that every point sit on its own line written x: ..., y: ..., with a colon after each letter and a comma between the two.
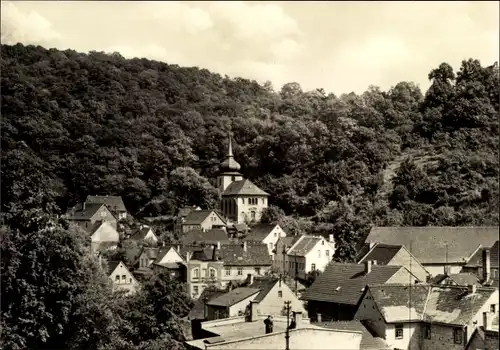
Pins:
x: 338, y: 46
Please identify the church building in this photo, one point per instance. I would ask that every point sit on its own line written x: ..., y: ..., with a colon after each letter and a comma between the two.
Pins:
x: 242, y: 201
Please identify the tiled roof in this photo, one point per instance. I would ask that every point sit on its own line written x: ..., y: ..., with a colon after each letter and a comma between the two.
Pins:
x: 85, y: 214
x: 304, y: 245
x: 464, y: 279
x: 477, y: 259
x: 256, y: 254
x: 259, y: 232
x: 160, y: 253
x: 209, y: 237
x: 196, y: 217
x: 435, y: 243
x: 233, y: 297
x: 198, y: 253
x: 368, y: 341
x: 243, y: 188
x: 140, y: 234
x: 351, y: 278
x: 112, y: 202
x: 112, y: 265
x: 452, y: 305
x: 152, y: 253
x: 382, y: 253
x: 183, y: 212
x: 288, y: 241
x: 198, y: 310
x: 264, y: 284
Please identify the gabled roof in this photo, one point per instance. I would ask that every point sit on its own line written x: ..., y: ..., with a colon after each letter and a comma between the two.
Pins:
x: 477, y: 259
x: 233, y: 297
x: 452, y: 305
x: 304, y: 245
x: 140, y: 233
x: 161, y: 252
x: 198, y: 310
x: 243, y: 188
x: 112, y: 265
x: 382, y: 253
x: 198, y: 253
x: 112, y: 202
x: 84, y: 213
x: 264, y: 284
x: 437, y: 243
x: 368, y: 342
x: 461, y: 279
x: 196, y: 217
x: 344, y: 283
x: 209, y: 237
x: 259, y: 232
x: 184, y: 211
x: 256, y: 254
x: 289, y: 241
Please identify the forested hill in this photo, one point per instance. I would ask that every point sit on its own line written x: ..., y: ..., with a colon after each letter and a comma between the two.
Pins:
x: 75, y: 124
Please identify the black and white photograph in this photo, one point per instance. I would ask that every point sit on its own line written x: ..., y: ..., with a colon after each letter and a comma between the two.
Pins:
x: 253, y: 175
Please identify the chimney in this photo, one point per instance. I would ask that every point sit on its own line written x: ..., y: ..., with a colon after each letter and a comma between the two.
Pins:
x: 330, y: 238
x: 471, y: 288
x: 297, y: 315
x: 179, y: 248
x: 487, y: 322
x: 83, y: 206
x: 486, y: 265
x: 218, y: 245
x: 368, y: 266
x: 250, y: 278
x: 188, y: 256
x: 245, y: 246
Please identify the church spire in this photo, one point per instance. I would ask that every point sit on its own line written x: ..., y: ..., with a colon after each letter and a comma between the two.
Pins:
x: 230, y: 165
x: 230, y: 152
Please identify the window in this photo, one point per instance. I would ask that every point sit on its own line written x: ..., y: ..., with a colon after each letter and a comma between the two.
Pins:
x: 196, y: 273
x: 275, y: 234
x: 457, y: 335
x: 427, y: 331
x: 319, y: 253
x: 228, y: 271
x: 212, y: 273
x: 280, y: 294
x: 124, y: 278
x: 399, y: 331
x: 327, y: 252
x: 322, y: 242
x: 263, y: 201
x: 257, y: 270
x: 313, y: 267
x: 117, y: 278
x: 493, y: 308
x: 494, y: 272
x: 252, y: 214
x: 243, y: 200
x: 240, y: 271
x: 233, y: 178
x: 130, y: 280
x: 195, y: 290
x: 103, y: 213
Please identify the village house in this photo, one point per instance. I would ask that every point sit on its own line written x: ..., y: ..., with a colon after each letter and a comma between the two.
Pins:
x: 248, y: 332
x: 237, y: 231
x: 336, y: 292
x: 203, y: 268
x: 113, y: 203
x: 103, y: 236
x: 307, y: 254
x: 87, y: 215
x: 484, y: 265
x: 395, y: 255
x: 170, y: 260
x: 203, y: 220
x: 369, y: 341
x: 144, y: 232
x: 121, y: 276
x: 425, y: 316
x: 280, y: 258
x: 243, y: 259
x: 181, y: 217
x: 231, y: 304
x: 440, y: 249
x: 457, y: 279
x: 267, y: 234
x: 241, y: 200
x: 485, y: 337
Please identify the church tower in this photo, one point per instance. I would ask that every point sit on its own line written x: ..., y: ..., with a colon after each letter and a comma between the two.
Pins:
x: 229, y: 170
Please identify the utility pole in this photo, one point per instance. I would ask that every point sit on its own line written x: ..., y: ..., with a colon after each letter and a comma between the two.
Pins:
x: 296, y: 273
x: 287, y: 334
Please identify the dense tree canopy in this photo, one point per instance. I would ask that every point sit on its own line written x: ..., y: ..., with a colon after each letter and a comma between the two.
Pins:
x: 75, y: 124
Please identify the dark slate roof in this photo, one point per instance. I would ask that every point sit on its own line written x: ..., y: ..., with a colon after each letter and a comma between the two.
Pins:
x: 152, y: 253
x: 477, y: 259
x: 382, y: 253
x: 452, y: 305
x: 198, y: 253
x: 351, y: 278
x: 264, y: 284
x: 433, y: 242
x: 112, y: 265
x: 112, y: 202
x: 198, y: 310
x: 289, y: 240
x: 209, y: 237
x: 196, y: 217
x: 304, y: 245
x: 233, y: 297
x: 257, y: 254
x: 369, y: 341
x: 362, y: 250
x: 85, y: 214
x: 259, y: 232
x: 140, y: 233
x: 183, y: 212
x: 243, y: 188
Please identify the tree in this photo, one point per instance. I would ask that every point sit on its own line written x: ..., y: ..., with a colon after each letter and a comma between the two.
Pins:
x: 189, y: 188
